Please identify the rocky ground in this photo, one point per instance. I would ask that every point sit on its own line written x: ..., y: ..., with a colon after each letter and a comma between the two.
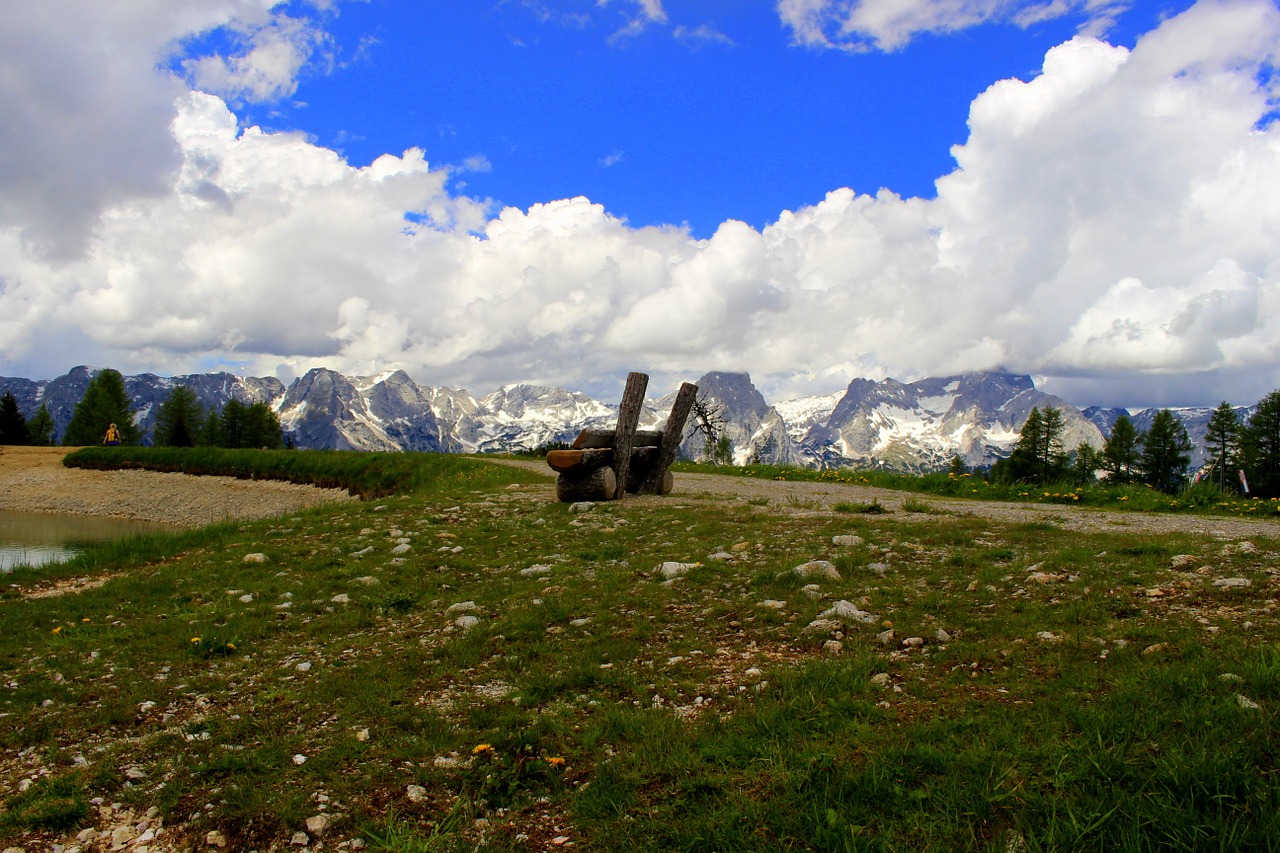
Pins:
x: 33, y: 479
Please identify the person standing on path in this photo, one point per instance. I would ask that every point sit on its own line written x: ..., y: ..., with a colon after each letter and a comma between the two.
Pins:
x: 112, y: 437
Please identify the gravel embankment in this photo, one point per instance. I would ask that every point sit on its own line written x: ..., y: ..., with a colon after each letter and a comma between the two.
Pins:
x: 33, y: 479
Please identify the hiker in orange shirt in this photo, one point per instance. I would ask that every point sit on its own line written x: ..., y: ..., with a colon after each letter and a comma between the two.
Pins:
x: 112, y: 437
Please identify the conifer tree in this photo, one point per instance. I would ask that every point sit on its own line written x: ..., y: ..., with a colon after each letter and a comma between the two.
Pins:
x: 1261, y: 447
x: 1166, y: 453
x: 13, y: 426
x: 1222, y: 443
x: 180, y: 419
x: 40, y: 427
x: 1121, y: 451
x: 104, y: 403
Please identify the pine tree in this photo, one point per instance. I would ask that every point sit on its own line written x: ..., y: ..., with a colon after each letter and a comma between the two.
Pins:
x: 104, y: 403
x: 13, y: 426
x: 1085, y: 461
x: 40, y: 427
x: 1222, y: 442
x: 1166, y: 453
x: 1260, y: 447
x: 261, y: 428
x: 1120, y: 453
x: 180, y: 419
x: 1051, y: 458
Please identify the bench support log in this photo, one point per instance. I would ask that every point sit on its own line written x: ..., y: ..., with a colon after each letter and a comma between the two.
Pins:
x: 600, y: 484
x: 628, y: 418
x: 659, y: 476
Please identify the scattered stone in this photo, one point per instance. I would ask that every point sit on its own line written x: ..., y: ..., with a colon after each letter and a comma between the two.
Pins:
x: 299, y: 759
x: 1043, y: 578
x: 247, y: 598
x: 942, y: 636
x: 402, y: 548
x: 1231, y: 677
x: 1047, y: 636
x: 1247, y: 703
x: 1154, y: 648
x: 255, y: 558
x: 886, y: 638
x: 341, y: 598
x: 1233, y: 583
x: 461, y: 607
x: 739, y: 547
x: 87, y: 835
x: 534, y: 571
x: 821, y: 569
x: 878, y: 568
x: 305, y: 666
x: 317, y: 824
x: 913, y: 642
x: 972, y: 587
x: 846, y: 540
x: 214, y: 838
x: 122, y: 835
x: 362, y: 552
x: 833, y: 647
x: 882, y: 679
x: 720, y: 556
x: 135, y: 773
x: 579, y: 623
x: 812, y: 590
x: 1181, y: 561
x: 299, y: 839
x: 670, y: 570
x: 847, y: 611
x: 581, y: 506
x: 417, y: 793
x: 754, y: 673
x: 362, y: 736
x: 466, y: 622
x: 773, y: 604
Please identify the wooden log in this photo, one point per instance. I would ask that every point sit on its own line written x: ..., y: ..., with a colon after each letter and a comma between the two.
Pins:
x: 642, y: 460
x: 581, y: 460
x: 600, y: 484
x: 592, y: 438
x: 659, y: 473
x: 628, y: 418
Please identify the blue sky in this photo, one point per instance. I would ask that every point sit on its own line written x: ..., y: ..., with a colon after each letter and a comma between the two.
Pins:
x: 560, y: 191
x: 660, y: 126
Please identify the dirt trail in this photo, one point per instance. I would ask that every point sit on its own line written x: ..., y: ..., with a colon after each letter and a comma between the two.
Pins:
x: 33, y: 479
x: 801, y: 497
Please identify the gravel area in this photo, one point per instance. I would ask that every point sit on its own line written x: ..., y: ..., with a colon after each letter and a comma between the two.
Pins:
x: 821, y: 497
x: 33, y: 479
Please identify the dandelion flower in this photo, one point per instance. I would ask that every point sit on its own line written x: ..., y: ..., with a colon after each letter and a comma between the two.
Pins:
x: 481, y: 749
x: 58, y: 630
x: 195, y: 640
x: 556, y: 761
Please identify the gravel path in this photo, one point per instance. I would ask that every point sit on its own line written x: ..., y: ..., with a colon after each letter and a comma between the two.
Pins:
x: 802, y: 497
x: 33, y: 479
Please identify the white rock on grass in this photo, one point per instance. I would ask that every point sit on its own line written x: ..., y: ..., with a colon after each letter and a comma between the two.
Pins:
x: 878, y: 568
x: 317, y: 824
x: 847, y: 611
x: 812, y: 590
x: 341, y: 598
x: 1247, y: 703
x: 1181, y: 561
x: 467, y: 622
x: 461, y: 607
x: 817, y: 569
x: 416, y: 793
x: 535, y: 570
x: 402, y: 548
x: 581, y: 506
x: 846, y: 540
x: 255, y: 558
x: 773, y: 604
x: 671, y: 569
x: 1233, y: 583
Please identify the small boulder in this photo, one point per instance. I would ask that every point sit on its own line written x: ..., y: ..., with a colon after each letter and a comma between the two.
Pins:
x: 846, y: 540
x: 817, y: 570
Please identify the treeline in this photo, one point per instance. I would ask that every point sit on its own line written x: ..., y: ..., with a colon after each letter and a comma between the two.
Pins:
x: 181, y: 421
x: 1241, y: 456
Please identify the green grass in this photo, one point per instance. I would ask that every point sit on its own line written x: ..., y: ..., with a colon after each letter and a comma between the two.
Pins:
x: 596, y: 702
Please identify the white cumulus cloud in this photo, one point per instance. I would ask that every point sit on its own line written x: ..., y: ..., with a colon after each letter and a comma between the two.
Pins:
x: 1112, y: 219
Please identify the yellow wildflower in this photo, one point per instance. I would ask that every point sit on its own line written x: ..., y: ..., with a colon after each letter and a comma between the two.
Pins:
x: 58, y: 630
x: 481, y: 749
x: 195, y: 640
x: 556, y: 761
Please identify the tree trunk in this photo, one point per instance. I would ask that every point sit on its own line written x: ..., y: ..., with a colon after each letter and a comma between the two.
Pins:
x: 659, y: 480
x: 598, y: 485
x: 628, y: 418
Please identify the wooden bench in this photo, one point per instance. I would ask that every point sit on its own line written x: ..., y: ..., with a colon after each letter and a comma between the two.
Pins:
x: 603, y: 465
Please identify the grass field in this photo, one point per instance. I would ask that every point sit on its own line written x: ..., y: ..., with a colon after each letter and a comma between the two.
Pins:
x: 464, y: 664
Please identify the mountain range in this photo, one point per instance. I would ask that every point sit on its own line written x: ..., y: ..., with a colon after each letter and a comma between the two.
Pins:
x: 915, y: 426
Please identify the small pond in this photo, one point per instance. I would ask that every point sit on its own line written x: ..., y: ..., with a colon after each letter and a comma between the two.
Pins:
x: 36, y: 538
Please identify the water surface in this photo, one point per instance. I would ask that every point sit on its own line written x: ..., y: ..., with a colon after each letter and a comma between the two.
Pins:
x: 36, y: 538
